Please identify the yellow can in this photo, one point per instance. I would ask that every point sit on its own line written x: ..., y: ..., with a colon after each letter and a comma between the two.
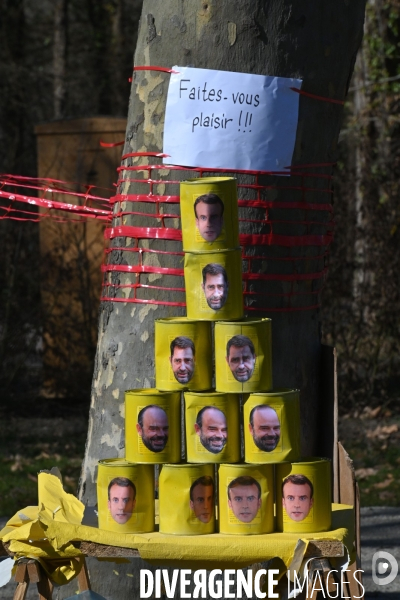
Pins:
x: 272, y: 426
x: 152, y: 426
x: 213, y: 282
x: 246, y: 499
x: 125, y: 496
x: 243, y: 356
x: 183, y: 352
x: 209, y: 214
x: 187, y: 499
x: 212, y: 427
x: 303, y: 496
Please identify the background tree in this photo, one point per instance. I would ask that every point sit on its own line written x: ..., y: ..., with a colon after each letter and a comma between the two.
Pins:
x: 57, y: 60
x: 360, y: 314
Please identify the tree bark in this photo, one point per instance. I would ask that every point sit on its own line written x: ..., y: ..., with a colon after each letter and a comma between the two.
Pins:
x: 316, y: 42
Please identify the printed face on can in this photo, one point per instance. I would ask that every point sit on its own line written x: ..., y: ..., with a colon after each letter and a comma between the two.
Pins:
x: 244, y: 498
x: 297, y: 496
x: 212, y: 428
x: 265, y: 427
x: 215, y: 285
x: 121, y: 499
x: 209, y: 210
x: 202, y: 498
x: 241, y: 357
x: 182, y: 359
x: 153, y: 427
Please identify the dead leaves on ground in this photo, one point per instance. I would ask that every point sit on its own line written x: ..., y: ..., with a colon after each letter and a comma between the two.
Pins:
x: 363, y: 473
x: 382, y: 432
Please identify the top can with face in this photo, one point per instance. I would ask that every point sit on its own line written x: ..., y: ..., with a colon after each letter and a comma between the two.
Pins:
x: 209, y: 214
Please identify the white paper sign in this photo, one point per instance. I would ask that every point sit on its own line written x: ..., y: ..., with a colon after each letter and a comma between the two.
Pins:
x: 221, y: 119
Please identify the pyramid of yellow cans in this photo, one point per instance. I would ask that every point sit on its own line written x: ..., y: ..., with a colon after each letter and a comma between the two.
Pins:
x: 224, y: 442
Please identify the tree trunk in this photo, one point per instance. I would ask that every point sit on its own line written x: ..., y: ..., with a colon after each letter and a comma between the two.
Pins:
x: 316, y: 42
x: 283, y: 38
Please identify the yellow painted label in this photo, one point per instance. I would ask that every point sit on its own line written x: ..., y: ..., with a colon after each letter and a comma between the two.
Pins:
x: 213, y: 282
x: 246, y: 504
x: 274, y: 434
x: 217, y: 438
x: 187, y: 499
x: 212, y: 224
x: 152, y: 426
x: 307, y: 500
x: 125, y: 496
x: 241, y: 366
x: 190, y: 364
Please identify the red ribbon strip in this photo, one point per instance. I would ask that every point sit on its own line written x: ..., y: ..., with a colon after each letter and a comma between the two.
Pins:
x: 322, y: 98
x: 143, y: 285
x: 141, y: 269
x: 46, y: 185
x: 202, y: 170
x: 285, y: 205
x: 86, y: 211
x: 285, y: 309
x: 284, y: 258
x: 111, y: 144
x: 143, y: 233
x: 242, y: 203
x: 149, y: 68
x: 245, y: 276
x: 156, y: 154
x: 140, y: 250
x: 311, y: 165
x: 139, y: 301
x: 281, y: 277
x: 102, y: 211
x: 144, y: 198
x: 183, y: 304
x: 269, y: 239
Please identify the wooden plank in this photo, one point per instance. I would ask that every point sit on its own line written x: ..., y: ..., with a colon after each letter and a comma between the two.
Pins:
x: 320, y: 574
x: 355, y: 589
x: 4, y: 549
x: 358, y: 526
x: 335, y: 462
x: 326, y: 443
x: 350, y: 494
x: 331, y: 580
x: 20, y: 591
x: 45, y: 588
x: 324, y: 548
x: 99, y: 550
x: 324, y: 566
x: 328, y: 548
x: 325, y: 437
x: 317, y: 548
x: 312, y: 594
x: 33, y: 571
x: 21, y: 573
x: 347, y: 480
x: 83, y: 577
